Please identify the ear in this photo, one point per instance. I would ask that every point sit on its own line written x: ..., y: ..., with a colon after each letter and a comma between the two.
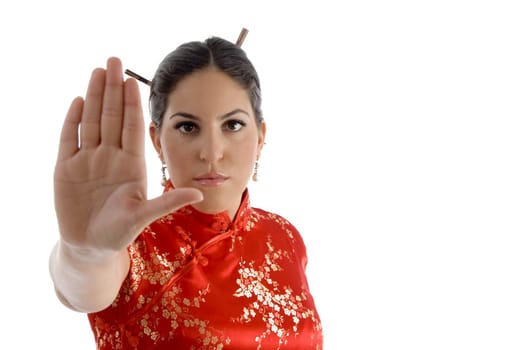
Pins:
x: 262, y: 131
x: 155, y: 135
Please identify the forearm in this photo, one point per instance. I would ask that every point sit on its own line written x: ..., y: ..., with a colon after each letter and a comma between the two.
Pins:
x: 87, y: 281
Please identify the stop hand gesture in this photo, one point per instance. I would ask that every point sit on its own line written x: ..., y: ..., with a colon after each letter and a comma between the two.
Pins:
x: 100, y: 175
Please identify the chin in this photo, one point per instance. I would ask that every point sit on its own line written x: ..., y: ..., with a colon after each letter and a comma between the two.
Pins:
x: 211, y: 204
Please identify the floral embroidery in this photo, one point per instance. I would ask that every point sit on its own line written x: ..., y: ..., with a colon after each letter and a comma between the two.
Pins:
x: 278, y: 307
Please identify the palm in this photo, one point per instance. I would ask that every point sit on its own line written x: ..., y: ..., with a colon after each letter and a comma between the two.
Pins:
x: 95, y: 192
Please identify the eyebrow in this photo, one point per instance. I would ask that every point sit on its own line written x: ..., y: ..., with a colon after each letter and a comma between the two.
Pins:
x: 224, y: 116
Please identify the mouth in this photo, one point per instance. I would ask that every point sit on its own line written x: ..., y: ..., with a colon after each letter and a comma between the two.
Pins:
x: 211, y: 179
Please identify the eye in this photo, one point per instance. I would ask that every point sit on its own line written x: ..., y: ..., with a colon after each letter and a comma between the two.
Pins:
x: 186, y: 127
x: 234, y: 125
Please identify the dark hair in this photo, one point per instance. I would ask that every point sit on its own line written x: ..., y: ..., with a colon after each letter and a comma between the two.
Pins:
x: 193, y: 56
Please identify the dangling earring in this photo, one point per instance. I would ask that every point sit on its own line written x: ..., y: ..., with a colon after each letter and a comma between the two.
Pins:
x: 164, y: 180
x: 255, y: 174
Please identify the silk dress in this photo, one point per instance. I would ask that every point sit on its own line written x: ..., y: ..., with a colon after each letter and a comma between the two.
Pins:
x: 204, y: 281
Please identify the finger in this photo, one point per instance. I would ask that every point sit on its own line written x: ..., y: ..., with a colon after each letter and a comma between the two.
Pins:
x: 90, y: 124
x: 69, y: 136
x: 133, y: 123
x: 112, y: 107
x: 165, y: 204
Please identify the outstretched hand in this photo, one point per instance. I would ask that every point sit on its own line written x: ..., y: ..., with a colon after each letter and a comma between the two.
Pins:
x: 100, y: 175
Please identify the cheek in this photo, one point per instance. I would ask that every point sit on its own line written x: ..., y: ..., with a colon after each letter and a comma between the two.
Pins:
x: 180, y: 168
x: 247, y: 155
x: 174, y: 152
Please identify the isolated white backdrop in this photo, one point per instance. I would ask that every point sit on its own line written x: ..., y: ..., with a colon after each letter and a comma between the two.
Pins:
x: 396, y: 144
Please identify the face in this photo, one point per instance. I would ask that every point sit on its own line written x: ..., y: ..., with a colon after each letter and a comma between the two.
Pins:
x: 209, y: 139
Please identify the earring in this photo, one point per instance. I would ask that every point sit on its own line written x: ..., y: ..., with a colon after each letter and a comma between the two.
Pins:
x: 164, y: 180
x: 255, y: 174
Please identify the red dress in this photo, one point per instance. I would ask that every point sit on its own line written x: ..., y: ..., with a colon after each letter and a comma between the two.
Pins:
x: 202, y: 281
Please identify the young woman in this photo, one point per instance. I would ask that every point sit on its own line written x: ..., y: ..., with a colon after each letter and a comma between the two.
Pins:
x: 197, y: 267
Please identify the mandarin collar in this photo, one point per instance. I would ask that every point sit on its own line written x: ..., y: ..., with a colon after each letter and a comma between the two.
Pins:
x: 217, y: 222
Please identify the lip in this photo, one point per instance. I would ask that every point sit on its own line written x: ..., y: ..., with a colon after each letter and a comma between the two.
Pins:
x: 211, y: 179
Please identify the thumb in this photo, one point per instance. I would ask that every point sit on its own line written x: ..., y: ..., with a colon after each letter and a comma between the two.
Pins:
x: 169, y: 202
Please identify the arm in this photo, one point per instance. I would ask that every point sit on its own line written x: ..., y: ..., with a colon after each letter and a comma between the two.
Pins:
x: 100, y: 191
x: 87, y: 281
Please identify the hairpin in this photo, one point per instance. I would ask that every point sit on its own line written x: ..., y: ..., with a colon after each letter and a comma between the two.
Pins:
x: 239, y: 42
x: 138, y: 77
x: 241, y: 37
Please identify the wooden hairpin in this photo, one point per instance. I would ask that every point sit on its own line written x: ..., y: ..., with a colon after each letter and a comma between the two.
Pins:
x: 138, y: 77
x: 241, y: 37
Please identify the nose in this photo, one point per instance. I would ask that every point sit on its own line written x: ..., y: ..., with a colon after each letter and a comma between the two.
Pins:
x: 212, y: 147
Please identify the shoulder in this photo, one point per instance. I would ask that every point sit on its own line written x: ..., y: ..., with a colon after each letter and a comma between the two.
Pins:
x: 271, y: 218
x: 278, y: 225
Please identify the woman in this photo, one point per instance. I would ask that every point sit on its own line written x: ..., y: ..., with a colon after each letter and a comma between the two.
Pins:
x: 197, y: 267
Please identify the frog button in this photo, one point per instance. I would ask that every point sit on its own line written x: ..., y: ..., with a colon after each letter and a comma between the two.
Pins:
x: 203, y: 260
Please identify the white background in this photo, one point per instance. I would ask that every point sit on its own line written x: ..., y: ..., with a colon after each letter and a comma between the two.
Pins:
x: 396, y: 145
